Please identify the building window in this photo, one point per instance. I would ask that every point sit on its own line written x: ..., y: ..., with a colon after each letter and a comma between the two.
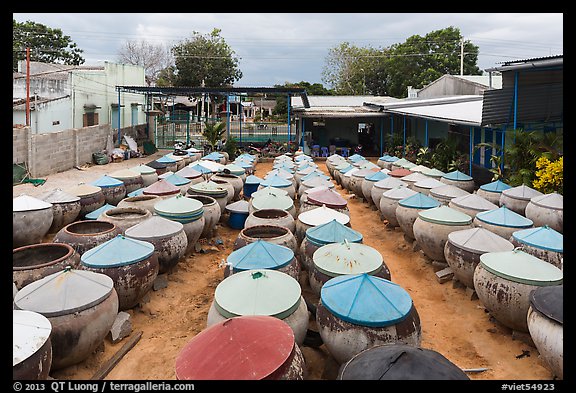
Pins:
x: 90, y: 119
x: 134, y: 108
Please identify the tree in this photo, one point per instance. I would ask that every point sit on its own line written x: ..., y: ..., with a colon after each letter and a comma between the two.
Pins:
x: 213, y: 132
x: 46, y: 45
x: 343, y: 69
x: 316, y: 89
x: 154, y: 58
x: 205, y: 60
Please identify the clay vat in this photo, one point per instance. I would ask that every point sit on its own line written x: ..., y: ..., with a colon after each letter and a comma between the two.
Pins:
x: 162, y: 188
x: 542, y: 242
x: 316, y: 217
x: 87, y: 234
x: 270, y: 233
x: 460, y: 180
x: 389, y: 202
x: 187, y: 211
x: 502, y: 221
x: 444, y: 194
x: 211, y: 189
x: 146, y: 202
x: 31, y: 220
x: 234, y: 180
x: 125, y: 217
x: 492, y: 191
x: 517, y: 198
x: 275, y: 217
x: 471, y: 204
x: 381, y: 186
x: 132, y: 180
x: 149, y: 174
x: 368, y: 183
x: 113, y: 189
x: 547, y: 210
x: 425, y: 185
x: 31, y: 346
x: 262, y: 254
x: 211, y: 214
x: 65, y: 208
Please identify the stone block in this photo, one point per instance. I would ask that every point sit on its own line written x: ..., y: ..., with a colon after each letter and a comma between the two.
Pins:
x: 444, y: 275
x: 122, y: 327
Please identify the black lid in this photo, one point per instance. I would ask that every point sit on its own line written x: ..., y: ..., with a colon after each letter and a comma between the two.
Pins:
x: 400, y: 362
x: 549, y: 301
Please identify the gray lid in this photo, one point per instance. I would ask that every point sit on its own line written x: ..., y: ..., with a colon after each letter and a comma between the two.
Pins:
x: 59, y: 196
x: 390, y: 182
x: 479, y: 241
x: 429, y: 183
x: 30, y: 330
x: 398, y: 193
x: 448, y: 191
x: 445, y: 215
x: 521, y: 267
x: 153, y: 227
x: 414, y: 177
x: 65, y: 292
x: 335, y: 259
x: 474, y: 202
x: 24, y: 203
x: 553, y: 201
x: 258, y: 292
x: 240, y: 206
x: 522, y: 192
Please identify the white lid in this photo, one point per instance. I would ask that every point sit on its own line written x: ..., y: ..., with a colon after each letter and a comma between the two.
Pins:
x: 25, y: 202
x: 322, y: 215
x: 30, y: 330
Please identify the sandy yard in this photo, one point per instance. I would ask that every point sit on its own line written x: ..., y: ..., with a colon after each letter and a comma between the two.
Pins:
x: 452, y: 323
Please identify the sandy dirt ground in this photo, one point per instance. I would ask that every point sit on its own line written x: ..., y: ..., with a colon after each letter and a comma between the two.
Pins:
x: 453, y: 323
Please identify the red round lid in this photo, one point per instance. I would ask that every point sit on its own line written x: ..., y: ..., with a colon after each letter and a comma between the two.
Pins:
x: 400, y: 172
x: 248, y: 347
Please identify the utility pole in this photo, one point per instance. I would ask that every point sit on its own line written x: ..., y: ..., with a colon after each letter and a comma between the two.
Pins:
x: 28, y: 87
x: 462, y: 56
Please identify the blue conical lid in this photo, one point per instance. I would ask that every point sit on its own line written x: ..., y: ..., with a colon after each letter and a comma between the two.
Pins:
x: 543, y: 237
x: 246, y: 156
x: 107, y: 181
x: 345, y: 169
x: 332, y: 232
x: 419, y: 201
x: 166, y: 160
x: 457, y: 176
x: 504, y: 217
x: 366, y: 300
x: 385, y: 157
x: 135, y: 192
x: 200, y: 168
x: 260, y: 255
x: 391, y: 159
x: 242, y: 164
x: 280, y: 172
x: 252, y: 179
x: 177, y: 180
x: 314, y: 174
x: 276, y: 181
x: 495, y: 186
x: 356, y: 158
x: 213, y: 156
x: 376, y: 176
x: 93, y: 215
x: 119, y: 251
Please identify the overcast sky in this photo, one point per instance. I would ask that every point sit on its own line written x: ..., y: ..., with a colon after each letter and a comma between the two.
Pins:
x: 275, y: 48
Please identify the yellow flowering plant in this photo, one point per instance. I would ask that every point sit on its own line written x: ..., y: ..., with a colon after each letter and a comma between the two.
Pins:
x: 549, y: 175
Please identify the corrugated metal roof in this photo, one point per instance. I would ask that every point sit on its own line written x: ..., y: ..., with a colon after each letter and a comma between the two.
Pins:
x: 338, y: 102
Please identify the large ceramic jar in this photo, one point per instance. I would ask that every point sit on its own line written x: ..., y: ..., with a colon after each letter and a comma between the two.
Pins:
x: 300, y: 173
x: 546, y: 326
x: 182, y: 183
x: 368, y: 183
x: 31, y: 346
x: 163, y: 189
x: 125, y: 217
x: 542, y: 242
x: 400, y: 362
x: 285, y: 173
x: 33, y: 262
x: 444, y: 194
x: 381, y: 186
x: 131, y: 179
x: 159, y: 167
x: 388, y: 161
x: 79, y: 304
x: 463, y: 249
x: 502, y: 221
x: 213, y: 190
x: 262, y: 254
x: 504, y: 280
x: 87, y: 234
x: 277, y: 181
x: 358, y: 178
x: 91, y: 197
x: 492, y: 191
x: 227, y: 186
x: 547, y: 210
x: 167, y: 237
x: 425, y: 185
x: 149, y: 174
x: 432, y: 227
x: 275, y: 217
x: 389, y: 203
x: 314, y: 182
x: 268, y: 199
x: 261, y: 292
x: 143, y: 201
x: 191, y: 174
x: 399, y: 163
x: 113, y: 189
x: 315, y: 217
x: 360, y: 311
x: 517, y: 198
x: 412, y: 178
x: 347, y: 177
x: 187, y: 211
x: 408, y: 209
x: 460, y: 180
x: 65, y: 208
x: 212, y: 214
x: 234, y: 180
x: 318, y: 236
x: 247, y: 347
x: 250, y: 186
x: 471, y: 204
x: 318, y: 197
x: 271, y: 233
x: 344, y: 258
x: 31, y: 220
x: 170, y: 162
x: 340, y: 170
x: 131, y: 264
x: 235, y: 170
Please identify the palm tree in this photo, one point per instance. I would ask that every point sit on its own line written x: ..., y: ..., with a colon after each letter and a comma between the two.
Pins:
x: 213, y: 132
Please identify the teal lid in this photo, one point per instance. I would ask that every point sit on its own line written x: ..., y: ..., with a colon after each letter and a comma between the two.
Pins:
x: 384, y: 157
x: 276, y: 181
x: 376, y: 176
x: 93, y: 215
x: 335, y: 259
x: 166, y: 159
x: 252, y: 179
x: 134, y: 193
x: 243, y: 164
x: 543, y: 237
x: 313, y: 174
x: 214, y: 156
x: 260, y: 255
x: 332, y: 232
x: 419, y: 201
x: 267, y: 191
x: 178, y: 206
x: 457, y: 176
x: 246, y: 156
x: 356, y: 158
x: 504, y: 217
x: 200, y: 168
x: 258, y: 292
x: 366, y: 300
x: 209, y: 187
x: 177, y: 180
x: 345, y: 167
x: 495, y: 186
x: 521, y: 267
x: 107, y: 181
x: 391, y: 159
x: 445, y: 215
x: 119, y: 251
